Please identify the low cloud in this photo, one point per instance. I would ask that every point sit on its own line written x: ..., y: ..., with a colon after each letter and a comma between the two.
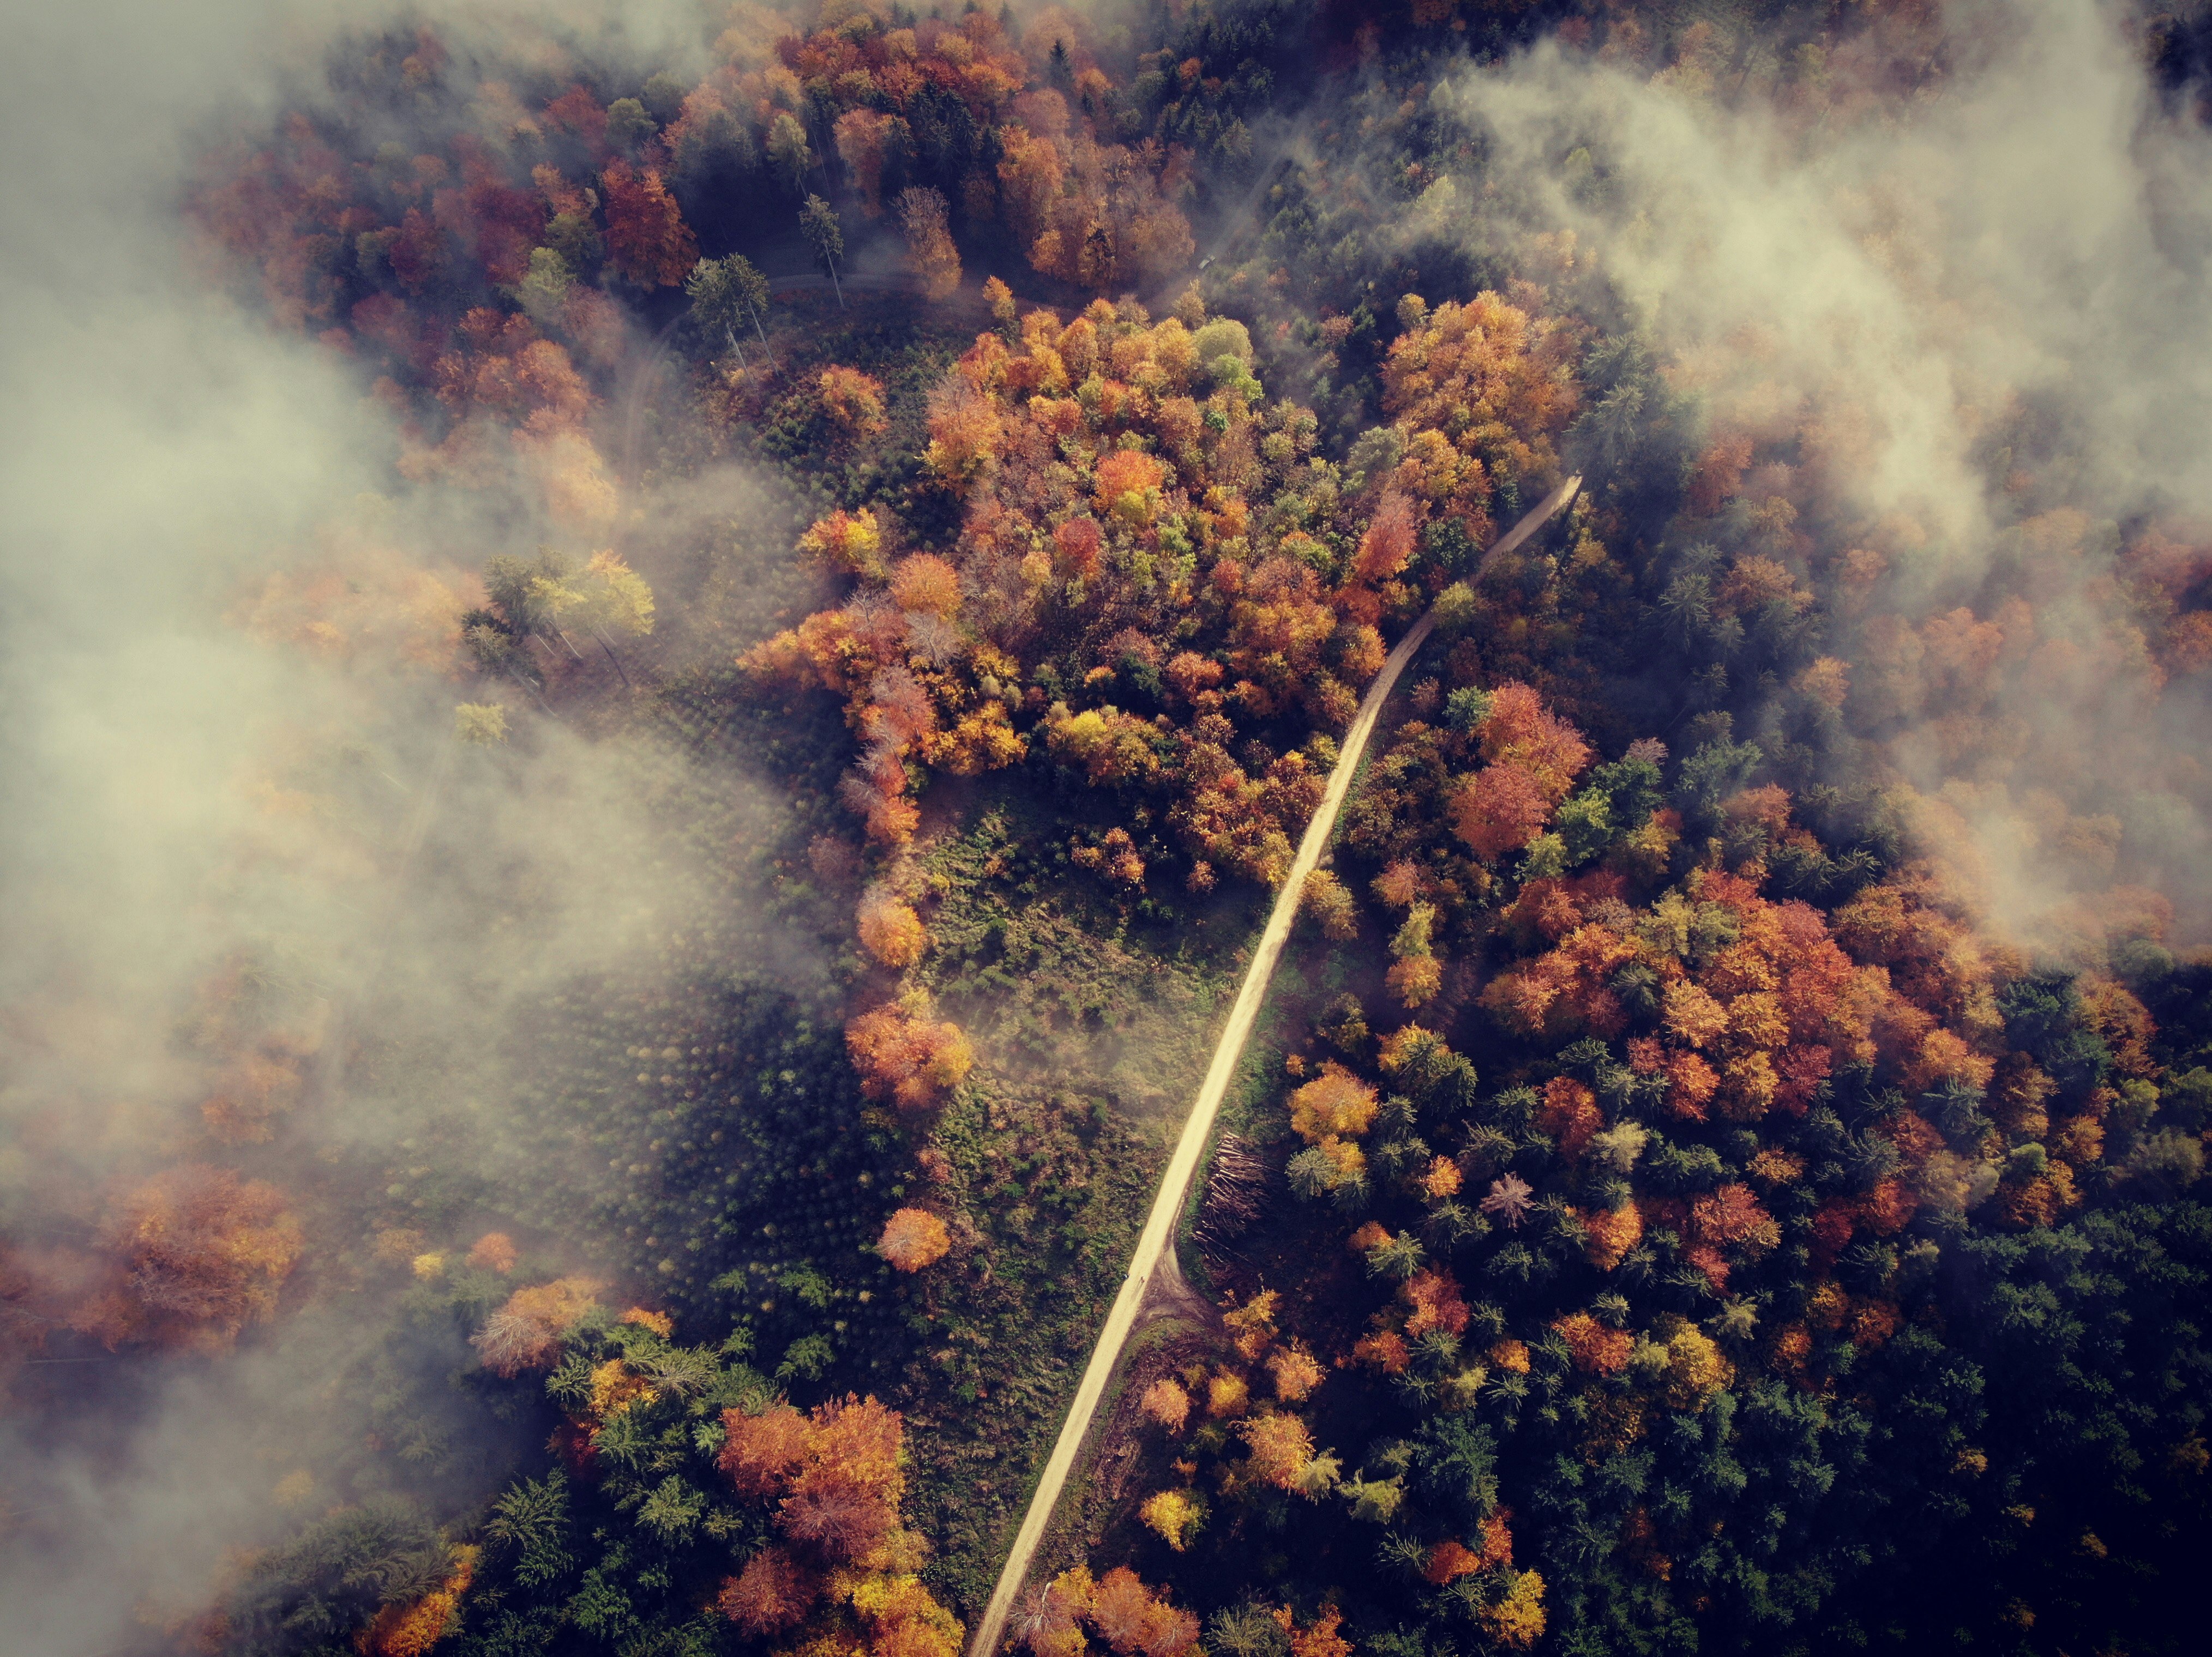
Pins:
x: 1953, y: 289
x: 230, y: 756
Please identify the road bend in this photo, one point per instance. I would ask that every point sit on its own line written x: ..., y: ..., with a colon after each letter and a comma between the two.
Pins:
x: 1167, y: 1204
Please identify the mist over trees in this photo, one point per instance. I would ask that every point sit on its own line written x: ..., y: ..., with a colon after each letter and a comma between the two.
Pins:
x: 644, y: 1037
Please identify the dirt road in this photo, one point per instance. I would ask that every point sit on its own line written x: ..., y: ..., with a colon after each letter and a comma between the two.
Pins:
x: 1166, y: 1204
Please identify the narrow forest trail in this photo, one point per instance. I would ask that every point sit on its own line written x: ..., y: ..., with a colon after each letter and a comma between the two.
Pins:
x: 1157, y: 1237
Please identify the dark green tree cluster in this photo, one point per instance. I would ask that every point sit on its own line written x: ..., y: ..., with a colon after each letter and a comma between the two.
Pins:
x: 629, y: 1537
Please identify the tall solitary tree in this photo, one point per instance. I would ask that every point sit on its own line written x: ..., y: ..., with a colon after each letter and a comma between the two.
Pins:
x: 714, y: 305
x: 788, y: 152
x: 752, y: 288
x: 930, y: 252
x: 723, y: 293
x: 817, y: 222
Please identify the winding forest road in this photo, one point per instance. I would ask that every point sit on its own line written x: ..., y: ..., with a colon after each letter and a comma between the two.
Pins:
x: 1157, y: 1237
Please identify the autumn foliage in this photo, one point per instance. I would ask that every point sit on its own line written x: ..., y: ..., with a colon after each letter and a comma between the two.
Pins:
x: 930, y: 256
x: 891, y: 931
x: 834, y: 1480
x: 914, y: 1238
x: 1153, y: 531
x: 495, y: 1252
x: 759, y: 1450
x: 189, y: 1259
x: 526, y: 1334
x: 1131, y: 1620
x: 907, y: 1057
x: 1793, y: 1090
x: 843, y: 1495
x: 1484, y: 374
x: 1166, y: 1404
x: 771, y: 1595
x: 1174, y: 1516
x: 853, y: 401
x: 646, y: 238
x: 410, y: 1628
x: 1281, y: 1448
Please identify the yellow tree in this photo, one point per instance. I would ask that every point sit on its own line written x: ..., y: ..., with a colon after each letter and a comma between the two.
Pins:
x: 1281, y: 1448
x: 851, y: 542
x: 481, y: 723
x: 1415, y: 974
x: 606, y: 597
x: 854, y: 401
x: 1176, y: 1517
x: 930, y: 252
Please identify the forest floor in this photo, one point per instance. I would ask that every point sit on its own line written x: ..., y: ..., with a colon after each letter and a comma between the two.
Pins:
x: 1090, y: 1026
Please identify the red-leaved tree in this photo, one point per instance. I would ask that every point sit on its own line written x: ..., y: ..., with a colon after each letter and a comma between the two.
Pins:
x: 646, y: 238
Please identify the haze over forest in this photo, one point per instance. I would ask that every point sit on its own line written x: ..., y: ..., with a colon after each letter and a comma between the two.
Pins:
x: 660, y: 663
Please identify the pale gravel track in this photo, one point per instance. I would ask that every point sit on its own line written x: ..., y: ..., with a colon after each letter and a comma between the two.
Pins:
x: 1166, y: 1204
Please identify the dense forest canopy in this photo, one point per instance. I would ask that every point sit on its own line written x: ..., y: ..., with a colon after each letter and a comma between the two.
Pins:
x: 662, y: 666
